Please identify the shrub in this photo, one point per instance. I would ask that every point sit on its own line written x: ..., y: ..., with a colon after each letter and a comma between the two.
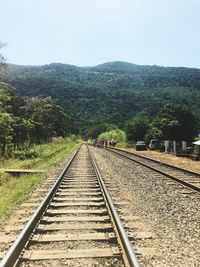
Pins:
x: 115, y: 135
x: 25, y: 154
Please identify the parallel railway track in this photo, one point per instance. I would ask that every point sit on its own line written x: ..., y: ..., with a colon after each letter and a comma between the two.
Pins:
x: 186, y: 178
x: 76, y: 221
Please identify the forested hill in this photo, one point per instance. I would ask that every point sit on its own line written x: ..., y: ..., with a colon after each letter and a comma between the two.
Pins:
x: 111, y: 92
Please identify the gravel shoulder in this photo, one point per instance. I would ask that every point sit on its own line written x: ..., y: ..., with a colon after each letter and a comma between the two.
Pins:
x: 156, y: 207
x: 182, y: 162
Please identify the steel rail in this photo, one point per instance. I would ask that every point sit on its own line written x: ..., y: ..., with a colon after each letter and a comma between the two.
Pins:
x: 155, y: 160
x: 13, y: 253
x: 130, y: 254
x: 191, y: 186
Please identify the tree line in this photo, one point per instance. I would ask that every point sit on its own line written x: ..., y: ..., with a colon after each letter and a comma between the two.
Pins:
x: 25, y: 121
x: 28, y: 120
x: 173, y: 122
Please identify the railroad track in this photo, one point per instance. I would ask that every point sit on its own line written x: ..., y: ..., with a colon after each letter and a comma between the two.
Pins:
x: 76, y: 222
x: 186, y: 178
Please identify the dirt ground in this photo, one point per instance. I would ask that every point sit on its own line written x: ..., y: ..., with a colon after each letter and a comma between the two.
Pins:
x: 186, y: 163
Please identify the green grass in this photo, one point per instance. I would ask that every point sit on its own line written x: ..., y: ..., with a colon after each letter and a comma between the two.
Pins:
x: 14, y: 189
x: 122, y: 145
x: 105, y: 154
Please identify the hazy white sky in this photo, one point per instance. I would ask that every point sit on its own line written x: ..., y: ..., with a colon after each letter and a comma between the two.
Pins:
x: 90, y: 32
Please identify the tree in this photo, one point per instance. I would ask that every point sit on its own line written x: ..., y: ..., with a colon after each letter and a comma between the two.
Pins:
x: 115, y: 135
x: 137, y: 127
x: 49, y: 119
x: 22, y: 131
x: 2, y: 60
x: 6, y: 131
x: 96, y: 130
x: 175, y: 122
x: 6, y: 96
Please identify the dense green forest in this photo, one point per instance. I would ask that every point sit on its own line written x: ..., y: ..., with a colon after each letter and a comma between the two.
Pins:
x: 27, y: 121
x: 112, y: 92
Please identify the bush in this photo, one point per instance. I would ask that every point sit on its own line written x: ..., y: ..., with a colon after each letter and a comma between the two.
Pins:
x: 115, y: 135
x: 137, y: 127
x: 25, y: 154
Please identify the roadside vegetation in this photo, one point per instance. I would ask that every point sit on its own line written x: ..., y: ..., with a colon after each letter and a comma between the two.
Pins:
x: 114, y: 135
x: 14, y: 189
x: 173, y: 122
x: 35, y: 133
x: 24, y: 122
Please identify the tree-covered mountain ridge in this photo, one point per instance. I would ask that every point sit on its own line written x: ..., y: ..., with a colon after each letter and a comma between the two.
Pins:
x: 118, y: 68
x: 111, y: 92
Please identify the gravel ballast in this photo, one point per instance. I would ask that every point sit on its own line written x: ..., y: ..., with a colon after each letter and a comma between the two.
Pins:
x: 167, y: 211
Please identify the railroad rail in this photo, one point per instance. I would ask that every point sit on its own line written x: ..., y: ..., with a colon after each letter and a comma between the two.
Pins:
x: 76, y: 220
x: 187, y: 178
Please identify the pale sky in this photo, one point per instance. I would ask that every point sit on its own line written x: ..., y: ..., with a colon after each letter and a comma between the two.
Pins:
x: 91, y: 32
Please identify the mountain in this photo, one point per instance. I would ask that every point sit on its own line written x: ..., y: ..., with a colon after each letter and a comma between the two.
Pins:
x: 111, y: 92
